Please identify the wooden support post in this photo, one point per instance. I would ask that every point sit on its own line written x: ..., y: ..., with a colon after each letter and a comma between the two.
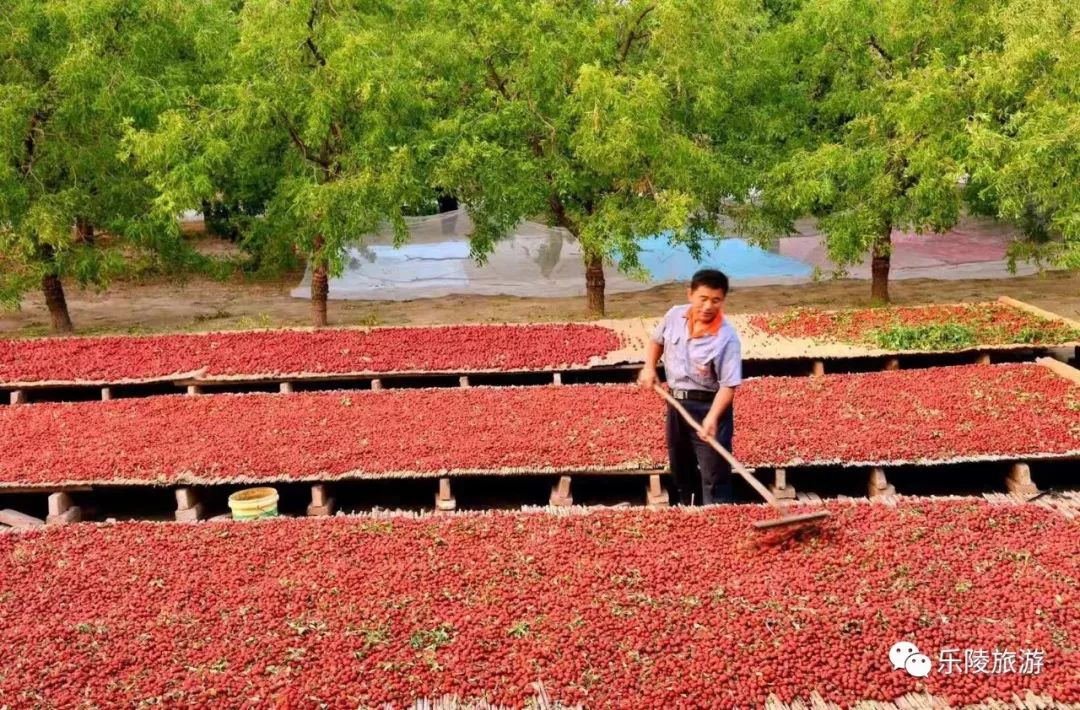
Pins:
x: 285, y: 387
x: 186, y: 499
x: 188, y: 507
x: 376, y: 385
x: 15, y: 519
x: 892, y: 363
x: 560, y: 493
x: 106, y: 394
x: 780, y: 487
x: 818, y: 368
x: 17, y: 397
x: 879, y: 486
x: 556, y: 379
x: 194, y: 390
x: 61, y: 511
x: 656, y: 496
x: 463, y: 380
x: 321, y: 503
x: 444, y: 500
x: 1019, y: 481
x: 983, y: 359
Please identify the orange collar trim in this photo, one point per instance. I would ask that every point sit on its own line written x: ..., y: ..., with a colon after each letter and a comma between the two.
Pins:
x: 696, y: 330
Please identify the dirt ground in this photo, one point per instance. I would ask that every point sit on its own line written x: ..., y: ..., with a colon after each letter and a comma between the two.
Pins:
x: 207, y: 305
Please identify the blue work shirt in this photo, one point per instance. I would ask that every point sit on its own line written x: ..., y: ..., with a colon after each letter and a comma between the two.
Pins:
x: 705, y: 363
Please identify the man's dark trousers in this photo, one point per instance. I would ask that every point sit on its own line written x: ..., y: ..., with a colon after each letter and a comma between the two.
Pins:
x: 689, y: 454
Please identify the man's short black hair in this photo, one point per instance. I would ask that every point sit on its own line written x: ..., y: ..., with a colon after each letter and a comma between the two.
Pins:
x: 710, y: 278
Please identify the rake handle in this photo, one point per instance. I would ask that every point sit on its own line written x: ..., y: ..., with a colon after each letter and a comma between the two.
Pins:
x: 735, y: 465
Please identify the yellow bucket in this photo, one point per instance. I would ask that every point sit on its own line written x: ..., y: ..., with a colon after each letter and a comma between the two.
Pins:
x: 254, y: 503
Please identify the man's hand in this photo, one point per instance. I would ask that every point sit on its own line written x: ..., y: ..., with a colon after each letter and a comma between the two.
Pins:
x: 647, y: 377
x: 708, y: 427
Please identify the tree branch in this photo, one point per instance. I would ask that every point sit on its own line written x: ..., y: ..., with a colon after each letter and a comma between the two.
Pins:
x: 494, y: 78
x: 315, y: 52
x: 916, y: 51
x: 633, y: 35
x: 310, y: 42
x: 535, y: 141
x: 872, y: 41
x: 30, y: 143
x: 299, y: 142
x: 561, y: 218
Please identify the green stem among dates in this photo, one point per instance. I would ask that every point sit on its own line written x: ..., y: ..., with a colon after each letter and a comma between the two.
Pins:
x: 926, y: 328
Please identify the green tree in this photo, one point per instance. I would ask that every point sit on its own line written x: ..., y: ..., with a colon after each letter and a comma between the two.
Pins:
x: 1025, y: 155
x: 883, y: 101
x: 315, y: 126
x: 613, y: 119
x: 72, y: 75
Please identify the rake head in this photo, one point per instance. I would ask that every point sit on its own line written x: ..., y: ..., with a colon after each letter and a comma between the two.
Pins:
x: 788, y: 520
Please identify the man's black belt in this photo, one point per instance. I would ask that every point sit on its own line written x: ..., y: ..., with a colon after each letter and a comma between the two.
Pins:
x: 695, y: 395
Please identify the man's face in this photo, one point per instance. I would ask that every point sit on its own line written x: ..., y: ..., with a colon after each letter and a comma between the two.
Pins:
x: 706, y: 302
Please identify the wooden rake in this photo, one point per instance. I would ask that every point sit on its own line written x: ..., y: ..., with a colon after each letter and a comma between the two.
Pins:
x: 784, y: 519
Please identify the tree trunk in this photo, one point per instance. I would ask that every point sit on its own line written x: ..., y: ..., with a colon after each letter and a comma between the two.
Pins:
x: 594, y: 284
x: 57, y: 304
x: 320, y: 285
x: 879, y: 268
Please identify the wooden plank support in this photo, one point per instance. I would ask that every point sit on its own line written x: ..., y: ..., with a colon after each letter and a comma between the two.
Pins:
x: 17, y: 397
x: 321, y: 504
x: 893, y: 363
x: 285, y: 387
x: 463, y: 380
x: 818, y: 368
x: 1042, y: 313
x: 556, y: 379
x: 15, y: 519
x: 1070, y: 505
x: 560, y: 493
x: 1019, y: 482
x: 444, y: 500
x: 61, y: 510
x: 983, y: 359
x: 188, y: 507
x: 376, y: 385
x: 780, y: 487
x: 16, y: 490
x: 194, y: 390
x: 656, y: 496
x: 1061, y: 369
x: 878, y: 486
x: 106, y: 394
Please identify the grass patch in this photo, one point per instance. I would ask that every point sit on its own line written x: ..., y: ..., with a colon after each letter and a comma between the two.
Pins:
x: 936, y: 336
